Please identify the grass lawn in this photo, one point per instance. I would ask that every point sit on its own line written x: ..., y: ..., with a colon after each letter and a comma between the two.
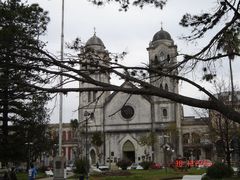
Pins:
x: 145, y: 174
x: 135, y: 175
x: 162, y: 174
x: 24, y: 176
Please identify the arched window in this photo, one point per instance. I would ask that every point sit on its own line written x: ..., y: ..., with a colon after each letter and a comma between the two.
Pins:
x: 161, y: 87
x: 69, y: 153
x: 93, y: 156
x: 69, y: 135
x: 164, y: 112
x: 128, y: 146
x: 195, y: 138
x: 89, y: 96
x: 54, y: 134
x: 186, y: 138
x: 219, y: 148
x: 168, y: 58
x: 64, y: 151
x: 155, y: 59
x: 94, y: 95
x: 161, y: 56
x: 64, y: 135
x: 196, y: 153
x: 166, y: 87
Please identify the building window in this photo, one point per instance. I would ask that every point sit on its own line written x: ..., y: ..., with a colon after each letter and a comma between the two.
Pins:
x: 112, y: 153
x: 69, y: 135
x: 195, y: 138
x: 94, y: 95
x: 166, y: 87
x: 164, y: 112
x: 161, y: 87
x: 161, y: 56
x: 168, y: 58
x: 127, y: 112
x: 89, y: 96
x: 155, y: 60
x: 186, y: 138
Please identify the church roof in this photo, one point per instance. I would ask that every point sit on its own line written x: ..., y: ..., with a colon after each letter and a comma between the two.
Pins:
x: 125, y: 84
x: 94, y: 40
x: 161, y: 35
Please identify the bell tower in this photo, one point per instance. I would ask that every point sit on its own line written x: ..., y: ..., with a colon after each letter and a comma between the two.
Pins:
x: 92, y: 55
x: 167, y: 114
x: 162, y: 57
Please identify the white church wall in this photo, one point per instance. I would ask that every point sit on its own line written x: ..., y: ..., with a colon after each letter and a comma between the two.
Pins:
x: 142, y: 110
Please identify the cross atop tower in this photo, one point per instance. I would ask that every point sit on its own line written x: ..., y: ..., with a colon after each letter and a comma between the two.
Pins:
x: 94, y: 31
x: 161, y: 25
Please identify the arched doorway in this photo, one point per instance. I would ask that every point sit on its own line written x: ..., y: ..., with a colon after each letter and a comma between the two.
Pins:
x: 93, y: 156
x: 129, y: 151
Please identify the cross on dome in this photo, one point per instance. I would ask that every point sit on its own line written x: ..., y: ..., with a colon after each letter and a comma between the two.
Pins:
x: 161, y: 25
x: 94, y: 31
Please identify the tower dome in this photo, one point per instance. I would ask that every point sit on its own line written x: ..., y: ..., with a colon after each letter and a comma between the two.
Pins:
x: 95, y: 41
x: 161, y: 35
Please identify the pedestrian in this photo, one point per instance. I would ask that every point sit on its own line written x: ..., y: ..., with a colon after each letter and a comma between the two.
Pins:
x: 13, y: 174
x: 32, y: 172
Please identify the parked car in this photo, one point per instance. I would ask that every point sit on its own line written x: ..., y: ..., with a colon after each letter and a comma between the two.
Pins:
x: 204, y: 163
x: 135, y: 166
x: 103, y: 167
x: 235, y: 170
x: 69, y: 169
x: 139, y: 167
x: 95, y: 169
x: 49, y: 173
x: 156, y: 166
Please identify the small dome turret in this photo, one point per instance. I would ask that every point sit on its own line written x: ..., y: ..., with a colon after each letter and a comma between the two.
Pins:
x: 161, y: 35
x: 95, y: 41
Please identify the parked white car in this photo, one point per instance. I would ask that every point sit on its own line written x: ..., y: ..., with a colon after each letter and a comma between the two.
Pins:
x: 135, y: 166
x: 103, y: 167
x: 49, y: 173
x: 69, y: 169
x: 95, y: 169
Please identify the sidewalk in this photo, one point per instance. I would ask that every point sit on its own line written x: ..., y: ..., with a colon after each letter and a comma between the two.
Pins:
x: 51, y: 178
x: 192, y: 177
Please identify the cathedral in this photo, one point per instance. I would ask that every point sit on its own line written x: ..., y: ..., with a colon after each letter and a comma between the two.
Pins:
x: 134, y: 127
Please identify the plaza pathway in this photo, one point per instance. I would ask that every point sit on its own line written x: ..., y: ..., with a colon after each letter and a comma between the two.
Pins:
x: 51, y: 178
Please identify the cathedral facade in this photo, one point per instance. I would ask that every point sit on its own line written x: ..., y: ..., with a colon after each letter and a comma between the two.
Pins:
x: 136, y: 127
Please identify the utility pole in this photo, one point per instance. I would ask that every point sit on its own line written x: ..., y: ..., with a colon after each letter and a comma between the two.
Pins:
x: 59, y: 161
x: 61, y: 82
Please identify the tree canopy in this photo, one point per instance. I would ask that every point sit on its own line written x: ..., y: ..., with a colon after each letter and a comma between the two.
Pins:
x: 21, y: 107
x: 226, y: 15
x: 124, y: 4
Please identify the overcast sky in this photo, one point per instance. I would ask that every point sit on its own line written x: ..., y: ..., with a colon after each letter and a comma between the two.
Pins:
x: 129, y: 31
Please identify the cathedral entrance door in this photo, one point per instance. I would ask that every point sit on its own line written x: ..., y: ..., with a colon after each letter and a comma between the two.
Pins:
x: 93, y: 156
x: 129, y: 151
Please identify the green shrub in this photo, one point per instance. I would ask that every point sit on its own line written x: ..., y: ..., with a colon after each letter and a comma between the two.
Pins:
x: 124, y: 163
x: 146, y: 164
x: 205, y: 177
x: 81, y: 166
x: 219, y: 170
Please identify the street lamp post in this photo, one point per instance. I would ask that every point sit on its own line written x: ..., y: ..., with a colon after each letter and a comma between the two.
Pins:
x: 29, y: 153
x: 87, y: 146
x: 88, y: 115
x: 166, y: 148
